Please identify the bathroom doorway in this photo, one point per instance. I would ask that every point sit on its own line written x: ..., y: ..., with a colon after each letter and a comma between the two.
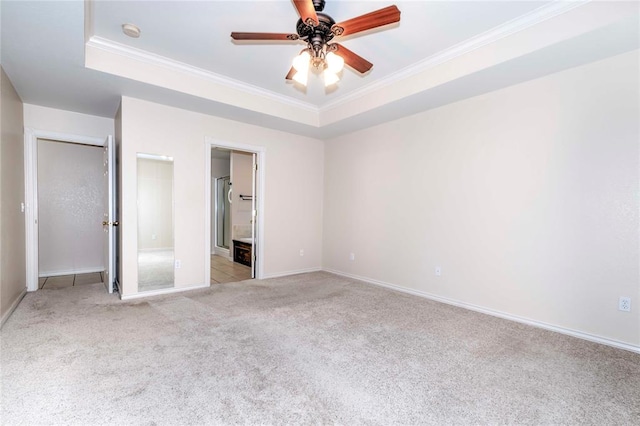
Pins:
x: 233, y: 217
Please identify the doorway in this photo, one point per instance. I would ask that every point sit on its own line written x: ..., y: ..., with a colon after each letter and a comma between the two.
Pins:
x: 234, y: 206
x: 70, y: 202
x: 65, y: 215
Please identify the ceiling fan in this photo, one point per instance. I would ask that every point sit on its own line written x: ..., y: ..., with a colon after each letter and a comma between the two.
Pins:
x: 317, y: 29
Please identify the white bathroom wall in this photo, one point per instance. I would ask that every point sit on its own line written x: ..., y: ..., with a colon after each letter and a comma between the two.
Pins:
x: 70, y: 208
x: 241, y: 163
x: 220, y: 167
x: 526, y: 198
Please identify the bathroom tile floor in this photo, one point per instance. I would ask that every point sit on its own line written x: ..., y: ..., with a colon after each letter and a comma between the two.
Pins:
x: 62, y: 281
x: 224, y: 270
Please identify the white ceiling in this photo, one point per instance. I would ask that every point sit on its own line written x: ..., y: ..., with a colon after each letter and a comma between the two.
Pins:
x: 441, y: 51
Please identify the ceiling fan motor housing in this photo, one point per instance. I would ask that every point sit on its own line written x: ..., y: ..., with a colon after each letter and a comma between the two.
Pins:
x: 319, y: 35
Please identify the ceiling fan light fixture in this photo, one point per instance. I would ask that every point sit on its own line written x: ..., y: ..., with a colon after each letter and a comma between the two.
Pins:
x: 301, y: 62
x: 301, y: 77
x: 330, y: 77
x: 334, y: 62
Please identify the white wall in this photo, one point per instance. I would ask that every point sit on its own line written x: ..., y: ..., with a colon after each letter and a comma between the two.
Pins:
x: 12, y: 229
x: 527, y: 198
x: 241, y: 163
x: 70, y: 208
x: 294, y: 166
x: 57, y: 120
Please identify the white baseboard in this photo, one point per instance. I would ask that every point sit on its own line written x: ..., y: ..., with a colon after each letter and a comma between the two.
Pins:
x: 222, y: 252
x: 287, y: 273
x: 69, y: 272
x: 516, y: 318
x: 13, y: 307
x: 162, y: 292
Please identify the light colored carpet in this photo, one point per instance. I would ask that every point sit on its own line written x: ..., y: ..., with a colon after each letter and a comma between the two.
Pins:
x: 307, y: 349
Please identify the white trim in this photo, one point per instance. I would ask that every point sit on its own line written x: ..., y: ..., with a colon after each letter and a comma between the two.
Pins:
x: 508, y: 28
x: 88, y: 19
x: 31, y: 137
x: 66, y: 137
x: 129, y: 52
x: 70, y: 272
x: 499, y: 314
x: 260, y: 152
x: 295, y: 272
x: 161, y: 292
x: 491, y: 36
x: 226, y: 253
x: 31, y: 208
x: 13, y: 307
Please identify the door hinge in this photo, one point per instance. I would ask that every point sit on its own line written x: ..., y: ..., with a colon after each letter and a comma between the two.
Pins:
x: 255, y: 167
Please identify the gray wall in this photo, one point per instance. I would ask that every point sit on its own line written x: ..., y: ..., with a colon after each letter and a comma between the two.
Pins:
x: 12, y: 230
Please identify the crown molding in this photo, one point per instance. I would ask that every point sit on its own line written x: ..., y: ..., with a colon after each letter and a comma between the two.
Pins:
x: 506, y: 29
x: 144, y: 56
x: 499, y: 32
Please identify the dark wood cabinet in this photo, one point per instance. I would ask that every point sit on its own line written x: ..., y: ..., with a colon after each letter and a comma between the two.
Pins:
x: 242, y: 252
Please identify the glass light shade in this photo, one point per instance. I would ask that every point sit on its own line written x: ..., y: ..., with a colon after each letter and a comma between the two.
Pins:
x: 301, y: 77
x: 301, y: 62
x: 334, y: 62
x: 329, y: 77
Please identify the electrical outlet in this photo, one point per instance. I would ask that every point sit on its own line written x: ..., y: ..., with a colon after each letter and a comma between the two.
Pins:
x: 438, y: 271
x: 178, y: 264
x: 301, y: 252
x: 624, y: 304
x: 154, y: 236
x: 352, y: 256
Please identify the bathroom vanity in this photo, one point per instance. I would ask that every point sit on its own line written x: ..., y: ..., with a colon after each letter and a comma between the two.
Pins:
x: 242, y: 251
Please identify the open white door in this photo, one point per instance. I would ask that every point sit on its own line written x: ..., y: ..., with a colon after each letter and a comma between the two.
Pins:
x: 108, y: 220
x: 254, y: 215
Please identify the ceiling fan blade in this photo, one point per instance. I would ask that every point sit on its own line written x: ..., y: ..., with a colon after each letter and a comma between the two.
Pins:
x: 264, y: 36
x: 290, y: 74
x: 381, y: 17
x: 307, y: 12
x: 355, y: 61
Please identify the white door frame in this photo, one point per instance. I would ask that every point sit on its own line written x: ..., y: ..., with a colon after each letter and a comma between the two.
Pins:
x: 260, y: 152
x: 31, y: 137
